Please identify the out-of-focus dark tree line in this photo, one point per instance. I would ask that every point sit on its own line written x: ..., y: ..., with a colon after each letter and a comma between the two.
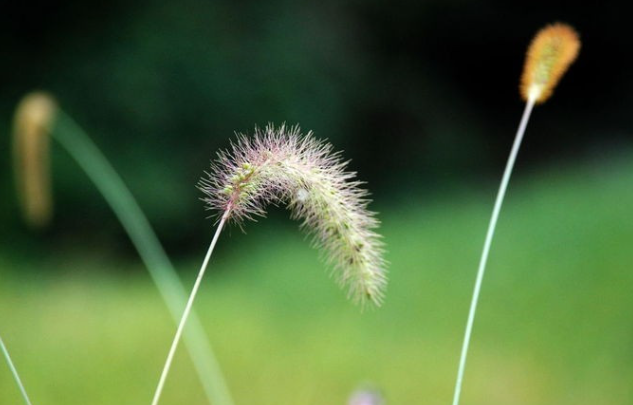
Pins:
x: 419, y: 94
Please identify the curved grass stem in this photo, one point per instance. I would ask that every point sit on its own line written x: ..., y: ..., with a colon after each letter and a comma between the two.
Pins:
x: 488, y: 242
x: 14, y: 372
x: 185, y: 315
x: 125, y: 207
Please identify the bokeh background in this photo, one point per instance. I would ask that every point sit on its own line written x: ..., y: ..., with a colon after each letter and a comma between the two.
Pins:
x: 423, y: 98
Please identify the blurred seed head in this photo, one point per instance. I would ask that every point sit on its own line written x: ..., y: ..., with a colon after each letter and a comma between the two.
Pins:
x: 33, y: 121
x: 552, y: 50
x: 280, y: 165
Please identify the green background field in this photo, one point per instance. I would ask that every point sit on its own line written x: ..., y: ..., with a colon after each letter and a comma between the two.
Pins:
x: 554, y: 326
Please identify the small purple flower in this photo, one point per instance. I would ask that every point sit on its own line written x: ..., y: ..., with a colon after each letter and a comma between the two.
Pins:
x: 366, y: 397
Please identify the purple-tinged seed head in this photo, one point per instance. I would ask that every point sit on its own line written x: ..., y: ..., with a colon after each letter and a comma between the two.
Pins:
x: 280, y: 165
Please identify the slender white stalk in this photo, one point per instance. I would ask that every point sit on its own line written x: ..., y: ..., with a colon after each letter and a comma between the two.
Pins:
x: 185, y: 315
x: 79, y: 145
x: 486, y: 250
x: 14, y: 371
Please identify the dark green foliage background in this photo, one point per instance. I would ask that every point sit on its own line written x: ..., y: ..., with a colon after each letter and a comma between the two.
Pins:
x: 420, y: 95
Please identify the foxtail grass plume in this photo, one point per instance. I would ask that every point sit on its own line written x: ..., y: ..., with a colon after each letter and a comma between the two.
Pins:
x: 282, y: 166
x: 279, y: 165
x: 552, y: 50
x: 31, y: 139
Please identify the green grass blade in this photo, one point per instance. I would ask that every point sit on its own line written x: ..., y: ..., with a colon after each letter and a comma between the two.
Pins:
x: 14, y: 371
x: 125, y: 207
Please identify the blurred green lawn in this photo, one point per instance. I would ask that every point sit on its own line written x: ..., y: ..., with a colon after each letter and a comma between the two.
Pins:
x: 554, y: 326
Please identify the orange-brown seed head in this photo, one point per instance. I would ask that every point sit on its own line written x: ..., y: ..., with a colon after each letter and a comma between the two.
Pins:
x: 551, y: 52
x: 32, y: 123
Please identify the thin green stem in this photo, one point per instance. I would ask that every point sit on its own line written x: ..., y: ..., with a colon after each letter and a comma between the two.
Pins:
x: 125, y: 207
x: 488, y: 242
x: 14, y: 371
x: 185, y: 315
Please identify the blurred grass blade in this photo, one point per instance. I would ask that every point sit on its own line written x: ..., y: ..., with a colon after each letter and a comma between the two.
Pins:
x: 111, y: 186
x: 14, y: 371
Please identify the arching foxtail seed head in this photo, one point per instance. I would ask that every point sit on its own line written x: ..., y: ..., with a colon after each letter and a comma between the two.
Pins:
x: 280, y: 165
x: 552, y: 50
x: 33, y: 120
